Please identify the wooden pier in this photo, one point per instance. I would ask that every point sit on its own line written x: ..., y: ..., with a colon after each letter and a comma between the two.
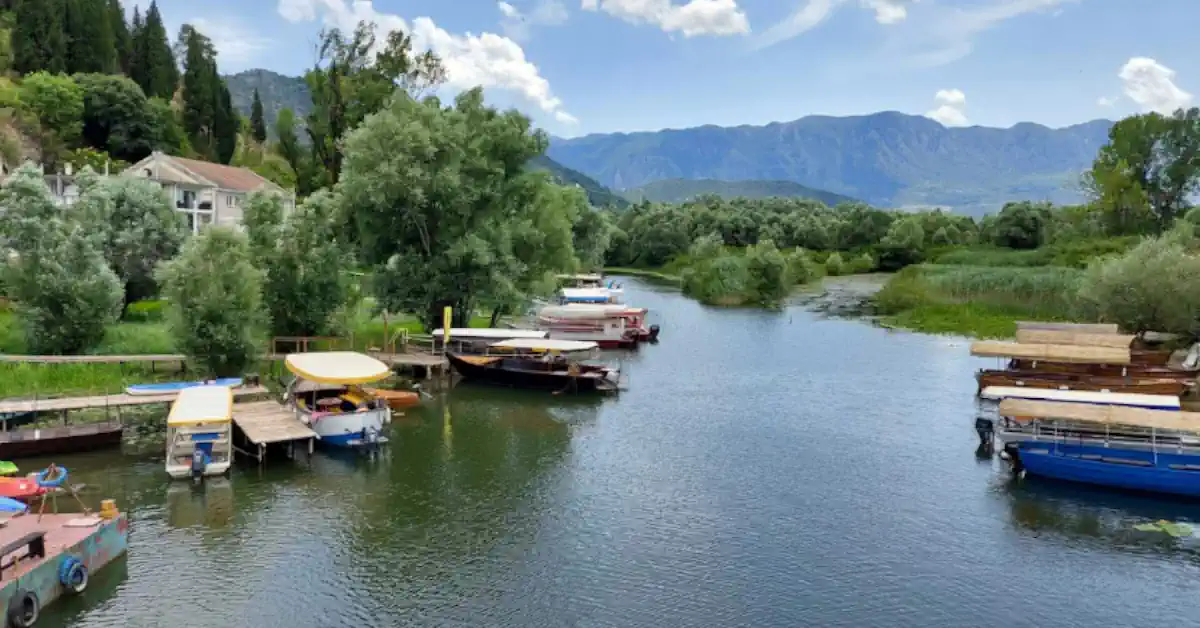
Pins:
x: 265, y: 423
x: 100, y: 402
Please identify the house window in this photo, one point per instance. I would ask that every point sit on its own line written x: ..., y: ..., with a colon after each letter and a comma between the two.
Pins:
x: 231, y: 201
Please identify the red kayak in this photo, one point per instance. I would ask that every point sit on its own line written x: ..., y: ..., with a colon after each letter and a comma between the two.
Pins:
x: 22, y: 488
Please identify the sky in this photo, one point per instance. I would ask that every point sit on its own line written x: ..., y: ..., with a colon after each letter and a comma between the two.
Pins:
x: 600, y: 66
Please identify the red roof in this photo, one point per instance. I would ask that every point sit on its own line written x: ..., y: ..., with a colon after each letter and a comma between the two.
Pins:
x: 225, y: 177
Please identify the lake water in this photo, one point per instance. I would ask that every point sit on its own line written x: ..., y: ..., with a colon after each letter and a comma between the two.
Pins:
x: 763, y: 469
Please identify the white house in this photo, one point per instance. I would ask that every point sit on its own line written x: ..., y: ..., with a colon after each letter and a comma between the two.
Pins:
x: 208, y: 193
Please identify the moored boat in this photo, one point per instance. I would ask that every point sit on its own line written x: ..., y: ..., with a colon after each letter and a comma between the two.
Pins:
x: 537, y: 364
x: 327, y: 395
x: 171, y: 387
x: 199, y: 432
x: 48, y: 441
x: 1072, y: 381
x: 609, y: 325
x: 1106, y: 445
x: 477, y: 339
x: 1154, y: 402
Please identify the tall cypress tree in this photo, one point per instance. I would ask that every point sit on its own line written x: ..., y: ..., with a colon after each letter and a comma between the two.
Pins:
x: 226, y: 122
x: 137, y: 49
x: 258, y: 124
x: 199, y: 91
x: 90, y: 45
x: 157, y: 72
x: 122, y: 39
x: 37, y: 37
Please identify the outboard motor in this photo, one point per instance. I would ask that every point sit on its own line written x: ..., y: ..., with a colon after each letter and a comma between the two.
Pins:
x: 985, y: 429
x: 371, y: 437
x: 199, y: 463
x: 654, y: 333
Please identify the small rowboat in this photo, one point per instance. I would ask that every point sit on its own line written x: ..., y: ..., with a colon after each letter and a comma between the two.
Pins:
x: 22, y: 488
x: 167, y: 388
x: 396, y: 399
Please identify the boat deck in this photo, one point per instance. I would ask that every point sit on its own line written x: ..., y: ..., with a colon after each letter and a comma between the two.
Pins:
x: 103, y: 401
x: 267, y: 423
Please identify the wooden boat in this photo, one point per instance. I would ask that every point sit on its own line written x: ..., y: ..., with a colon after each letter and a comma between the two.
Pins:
x: 1114, y: 370
x: 47, y: 441
x: 396, y: 399
x: 1067, y: 381
x: 536, y: 364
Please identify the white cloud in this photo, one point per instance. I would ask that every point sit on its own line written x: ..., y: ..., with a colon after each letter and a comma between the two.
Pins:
x: 1105, y: 101
x: 696, y: 18
x: 950, y: 33
x: 517, y: 24
x: 1152, y: 86
x: 813, y: 12
x: 235, y: 44
x: 488, y: 60
x: 951, y: 107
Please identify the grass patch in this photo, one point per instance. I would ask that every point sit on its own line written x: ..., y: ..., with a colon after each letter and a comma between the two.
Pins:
x: 661, y: 276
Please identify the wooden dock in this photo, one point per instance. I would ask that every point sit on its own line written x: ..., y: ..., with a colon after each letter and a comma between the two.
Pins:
x: 65, y: 404
x: 265, y: 423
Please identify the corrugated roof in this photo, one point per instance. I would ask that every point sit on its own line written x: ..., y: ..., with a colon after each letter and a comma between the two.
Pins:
x: 225, y: 177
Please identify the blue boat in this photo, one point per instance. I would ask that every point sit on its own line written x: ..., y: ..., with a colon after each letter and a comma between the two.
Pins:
x: 167, y: 388
x: 1120, y: 447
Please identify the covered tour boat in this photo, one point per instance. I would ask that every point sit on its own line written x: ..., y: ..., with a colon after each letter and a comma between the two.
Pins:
x: 199, y: 432
x: 539, y: 364
x: 608, y: 325
x: 1106, y: 445
x: 328, y: 396
x: 477, y: 340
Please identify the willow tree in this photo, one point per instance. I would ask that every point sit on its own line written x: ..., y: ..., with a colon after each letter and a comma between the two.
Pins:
x: 445, y: 210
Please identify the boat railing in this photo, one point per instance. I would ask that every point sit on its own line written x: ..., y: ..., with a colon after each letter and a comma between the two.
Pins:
x: 1115, y: 436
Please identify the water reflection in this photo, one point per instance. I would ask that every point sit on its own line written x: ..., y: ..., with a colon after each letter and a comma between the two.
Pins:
x: 208, y: 504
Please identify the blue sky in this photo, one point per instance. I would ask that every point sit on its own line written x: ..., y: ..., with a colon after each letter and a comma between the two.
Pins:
x: 594, y: 66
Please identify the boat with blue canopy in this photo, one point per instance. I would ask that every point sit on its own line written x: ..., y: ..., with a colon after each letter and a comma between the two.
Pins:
x: 199, y: 432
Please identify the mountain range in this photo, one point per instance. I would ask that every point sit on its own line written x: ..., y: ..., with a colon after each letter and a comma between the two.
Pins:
x: 888, y: 159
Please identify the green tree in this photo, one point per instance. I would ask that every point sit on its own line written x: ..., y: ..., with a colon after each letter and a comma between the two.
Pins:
x: 122, y: 40
x: 215, y: 295
x: 171, y: 137
x: 303, y: 260
x: 834, y: 265
x: 257, y: 122
x: 1153, y: 287
x: 57, y: 101
x: 433, y: 194
x: 1021, y: 225
x: 767, y: 273
x: 66, y: 295
x: 288, y: 147
x: 208, y: 116
x: 152, y: 62
x: 91, y: 46
x: 350, y: 81
x: 1151, y: 161
x: 903, y: 245
x: 117, y: 118
x: 722, y: 280
x: 37, y: 38
x: 225, y: 122
x: 140, y: 229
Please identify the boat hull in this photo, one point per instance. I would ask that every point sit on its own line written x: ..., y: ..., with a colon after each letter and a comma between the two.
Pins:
x: 1125, y: 469
x: 499, y: 375
x: 1145, y: 386
x: 50, y: 441
x: 347, y: 429
x: 181, y: 471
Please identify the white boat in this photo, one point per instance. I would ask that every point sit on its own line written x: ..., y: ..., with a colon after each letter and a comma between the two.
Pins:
x: 1132, y: 400
x: 488, y: 333
x: 591, y: 295
x: 199, y: 427
x: 609, y: 324
x: 326, y: 395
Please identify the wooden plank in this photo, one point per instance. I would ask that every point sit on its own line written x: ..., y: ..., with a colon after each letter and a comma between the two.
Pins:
x: 1086, y: 328
x: 104, y: 401
x: 1052, y: 353
x: 1102, y: 414
x: 91, y: 359
x: 1082, y: 339
x: 267, y: 422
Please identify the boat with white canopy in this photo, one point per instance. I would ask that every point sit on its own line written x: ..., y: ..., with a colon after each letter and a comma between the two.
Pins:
x: 199, y: 432
x: 328, y: 396
x: 610, y: 325
x: 546, y: 364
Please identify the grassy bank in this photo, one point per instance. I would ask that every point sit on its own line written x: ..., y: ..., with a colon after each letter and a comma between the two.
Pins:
x: 659, y: 276
x: 985, y: 298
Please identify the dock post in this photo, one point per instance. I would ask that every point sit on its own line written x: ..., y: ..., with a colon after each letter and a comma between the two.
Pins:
x: 310, y: 447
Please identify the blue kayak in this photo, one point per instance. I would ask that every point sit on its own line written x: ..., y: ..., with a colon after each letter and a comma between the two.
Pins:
x: 8, y: 504
x: 173, y: 387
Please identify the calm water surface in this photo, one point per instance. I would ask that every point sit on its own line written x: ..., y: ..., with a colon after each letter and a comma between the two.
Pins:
x: 763, y: 469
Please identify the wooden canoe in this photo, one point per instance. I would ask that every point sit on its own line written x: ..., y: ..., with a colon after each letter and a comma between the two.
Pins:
x: 1145, y: 386
x: 1115, y: 370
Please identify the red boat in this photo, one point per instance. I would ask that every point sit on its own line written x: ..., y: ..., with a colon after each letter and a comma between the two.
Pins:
x: 22, y: 488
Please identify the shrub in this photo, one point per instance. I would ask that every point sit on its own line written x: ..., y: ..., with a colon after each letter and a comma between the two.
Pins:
x: 834, y: 265
x: 1155, y: 286
x: 215, y: 294
x: 150, y: 311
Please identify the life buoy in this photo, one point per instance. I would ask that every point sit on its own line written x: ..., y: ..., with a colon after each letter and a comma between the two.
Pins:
x: 24, y: 609
x: 73, y: 574
x: 45, y: 480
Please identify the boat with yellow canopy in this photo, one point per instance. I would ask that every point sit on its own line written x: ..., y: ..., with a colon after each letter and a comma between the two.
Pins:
x: 328, y: 396
x: 199, y: 442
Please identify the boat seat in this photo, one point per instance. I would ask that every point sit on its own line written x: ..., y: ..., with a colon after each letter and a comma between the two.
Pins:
x: 34, y: 541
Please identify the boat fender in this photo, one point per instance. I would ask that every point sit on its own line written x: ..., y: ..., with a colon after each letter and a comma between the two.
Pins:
x: 24, y: 609
x: 44, y: 478
x: 73, y: 574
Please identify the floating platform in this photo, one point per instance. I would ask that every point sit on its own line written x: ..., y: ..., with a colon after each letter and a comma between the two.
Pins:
x: 43, y: 558
x: 265, y: 423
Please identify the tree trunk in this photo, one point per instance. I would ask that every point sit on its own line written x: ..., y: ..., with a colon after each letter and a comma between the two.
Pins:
x: 496, y: 312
